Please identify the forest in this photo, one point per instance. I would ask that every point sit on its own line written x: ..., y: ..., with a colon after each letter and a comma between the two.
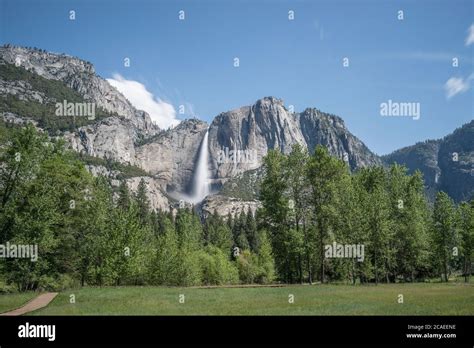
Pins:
x: 89, y: 233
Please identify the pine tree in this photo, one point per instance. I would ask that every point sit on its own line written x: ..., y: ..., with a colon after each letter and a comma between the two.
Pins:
x: 143, y: 203
x: 239, y: 232
x: 189, y: 230
x: 218, y: 233
x: 251, y: 232
x: 123, y: 201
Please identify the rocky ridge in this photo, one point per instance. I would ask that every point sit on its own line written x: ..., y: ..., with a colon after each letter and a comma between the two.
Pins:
x: 170, y: 156
x: 447, y: 164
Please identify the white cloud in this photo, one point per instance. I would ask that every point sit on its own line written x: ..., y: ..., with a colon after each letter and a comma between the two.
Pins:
x: 161, y: 112
x: 470, y: 35
x: 456, y: 85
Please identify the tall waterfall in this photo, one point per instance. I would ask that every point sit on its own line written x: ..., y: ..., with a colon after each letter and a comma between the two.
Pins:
x: 201, y: 185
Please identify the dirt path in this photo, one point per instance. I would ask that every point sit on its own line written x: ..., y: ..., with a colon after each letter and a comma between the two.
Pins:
x: 38, y: 302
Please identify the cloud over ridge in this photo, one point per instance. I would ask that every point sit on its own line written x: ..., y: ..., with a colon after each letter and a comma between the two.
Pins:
x: 161, y: 112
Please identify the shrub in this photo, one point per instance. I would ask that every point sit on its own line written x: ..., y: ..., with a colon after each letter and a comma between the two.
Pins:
x: 216, y: 268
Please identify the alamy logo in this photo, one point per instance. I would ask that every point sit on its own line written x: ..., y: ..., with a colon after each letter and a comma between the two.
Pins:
x: 37, y: 331
x: 396, y: 109
x: 225, y: 155
x: 21, y: 251
x: 76, y: 109
x: 347, y: 251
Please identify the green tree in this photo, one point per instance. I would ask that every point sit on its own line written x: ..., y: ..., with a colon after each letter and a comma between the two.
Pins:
x: 466, y: 223
x: 143, y: 202
x: 325, y: 174
x: 443, y: 233
x: 218, y: 233
x: 299, y: 210
x: 247, y: 264
x: 251, y: 231
x: 123, y: 201
x: 216, y: 268
x: 275, y: 210
x: 239, y: 232
x: 377, y: 211
x: 266, y: 263
x: 40, y: 189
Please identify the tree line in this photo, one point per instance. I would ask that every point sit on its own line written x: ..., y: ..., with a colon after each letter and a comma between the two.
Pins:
x: 310, y: 201
x: 90, y: 233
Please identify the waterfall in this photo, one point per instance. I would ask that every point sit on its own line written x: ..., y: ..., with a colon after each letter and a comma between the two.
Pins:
x: 201, y: 186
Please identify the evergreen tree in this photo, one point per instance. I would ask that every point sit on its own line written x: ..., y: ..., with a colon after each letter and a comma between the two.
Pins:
x: 251, y: 232
x: 189, y: 230
x: 123, y: 201
x: 218, y: 233
x: 143, y: 203
x: 239, y: 232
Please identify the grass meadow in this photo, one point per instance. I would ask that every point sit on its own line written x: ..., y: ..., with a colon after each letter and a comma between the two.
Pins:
x: 382, y: 299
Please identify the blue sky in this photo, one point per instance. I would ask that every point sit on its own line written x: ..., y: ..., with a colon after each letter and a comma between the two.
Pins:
x: 191, y: 62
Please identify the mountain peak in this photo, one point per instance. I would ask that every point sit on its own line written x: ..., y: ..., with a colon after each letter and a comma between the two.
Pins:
x: 192, y: 123
x: 334, y: 120
x: 269, y: 100
x: 46, y: 64
x: 78, y: 75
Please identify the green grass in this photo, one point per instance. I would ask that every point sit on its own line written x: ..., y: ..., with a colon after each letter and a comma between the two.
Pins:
x: 419, y: 299
x: 9, y: 302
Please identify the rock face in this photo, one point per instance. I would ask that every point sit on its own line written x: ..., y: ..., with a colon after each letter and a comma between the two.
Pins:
x: 155, y: 194
x: 172, y: 155
x: 22, y: 90
x: 111, y: 138
x: 238, y: 139
x: 224, y: 206
x: 251, y: 131
x: 319, y: 128
x: 80, y: 76
x: 456, y: 163
x: 423, y: 157
x: 447, y: 164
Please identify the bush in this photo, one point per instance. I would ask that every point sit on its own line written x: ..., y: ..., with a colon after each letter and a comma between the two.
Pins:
x: 6, y: 288
x: 216, y: 268
x: 247, y: 264
x: 187, y: 272
x: 62, y: 282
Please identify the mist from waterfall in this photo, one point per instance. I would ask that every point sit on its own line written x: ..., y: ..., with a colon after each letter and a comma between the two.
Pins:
x: 201, y: 185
